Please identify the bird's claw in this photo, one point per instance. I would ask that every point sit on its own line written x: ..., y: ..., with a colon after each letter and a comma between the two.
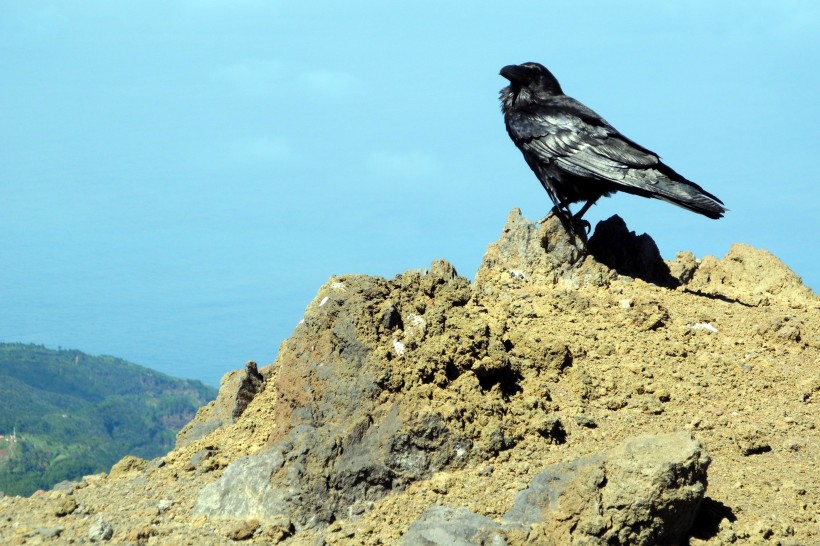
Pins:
x: 584, y: 224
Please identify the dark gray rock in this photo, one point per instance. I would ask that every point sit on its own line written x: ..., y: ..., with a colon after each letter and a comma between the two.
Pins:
x: 533, y: 503
x: 200, y: 460
x: 250, y: 384
x: 245, y: 490
x: 314, y: 481
x: 646, y: 491
x: 444, y: 526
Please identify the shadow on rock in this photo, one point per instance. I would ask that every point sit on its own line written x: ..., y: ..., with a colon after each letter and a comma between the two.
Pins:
x: 718, y: 297
x: 629, y: 254
x: 711, y: 514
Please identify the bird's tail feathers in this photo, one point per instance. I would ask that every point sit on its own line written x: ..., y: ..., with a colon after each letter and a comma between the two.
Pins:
x: 690, y: 196
x: 700, y: 203
x: 666, y: 184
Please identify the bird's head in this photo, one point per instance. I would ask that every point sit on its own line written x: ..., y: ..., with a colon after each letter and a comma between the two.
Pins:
x: 529, y: 80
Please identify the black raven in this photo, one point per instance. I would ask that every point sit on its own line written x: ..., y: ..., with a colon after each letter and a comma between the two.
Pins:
x: 578, y: 156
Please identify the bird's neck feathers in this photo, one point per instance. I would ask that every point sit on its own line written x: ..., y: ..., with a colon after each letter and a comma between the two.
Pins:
x: 514, y: 96
x: 507, y: 97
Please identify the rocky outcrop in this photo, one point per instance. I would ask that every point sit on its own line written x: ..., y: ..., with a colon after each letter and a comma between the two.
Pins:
x: 236, y: 391
x: 433, y: 410
x: 348, y: 430
x: 645, y: 492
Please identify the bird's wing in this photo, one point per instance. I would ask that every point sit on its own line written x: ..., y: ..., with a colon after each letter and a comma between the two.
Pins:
x: 576, y: 140
x: 572, y: 137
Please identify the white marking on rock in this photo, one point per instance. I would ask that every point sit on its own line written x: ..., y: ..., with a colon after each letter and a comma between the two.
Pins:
x: 703, y: 326
x: 338, y: 286
x: 398, y: 346
x: 417, y: 321
x: 324, y: 301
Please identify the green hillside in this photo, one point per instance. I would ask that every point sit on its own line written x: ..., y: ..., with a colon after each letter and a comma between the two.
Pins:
x: 77, y: 414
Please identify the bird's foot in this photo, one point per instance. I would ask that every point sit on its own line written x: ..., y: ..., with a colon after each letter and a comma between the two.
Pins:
x: 579, y: 228
x: 584, y: 224
x: 571, y: 224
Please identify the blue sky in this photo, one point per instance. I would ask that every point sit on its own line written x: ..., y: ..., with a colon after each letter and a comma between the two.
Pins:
x: 207, y: 165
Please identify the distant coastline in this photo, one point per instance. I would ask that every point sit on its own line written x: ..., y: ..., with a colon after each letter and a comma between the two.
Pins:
x: 65, y: 414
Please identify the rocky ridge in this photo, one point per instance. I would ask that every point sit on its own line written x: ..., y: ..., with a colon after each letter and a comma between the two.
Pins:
x: 508, y: 411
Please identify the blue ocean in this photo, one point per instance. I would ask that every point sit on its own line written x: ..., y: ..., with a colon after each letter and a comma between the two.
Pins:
x: 151, y: 325
x: 189, y: 298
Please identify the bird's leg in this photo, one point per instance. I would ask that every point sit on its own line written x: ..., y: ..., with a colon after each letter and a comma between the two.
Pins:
x: 568, y: 220
x: 560, y: 209
x: 578, y: 216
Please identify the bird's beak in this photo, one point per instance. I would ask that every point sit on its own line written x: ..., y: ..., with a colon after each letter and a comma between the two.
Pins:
x: 513, y: 72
